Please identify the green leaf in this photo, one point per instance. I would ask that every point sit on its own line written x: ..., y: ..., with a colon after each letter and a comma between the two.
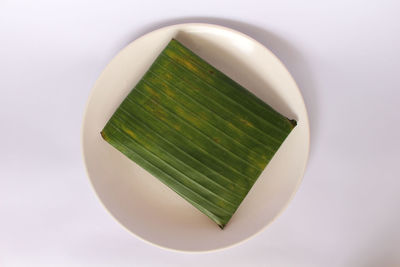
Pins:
x: 197, y: 131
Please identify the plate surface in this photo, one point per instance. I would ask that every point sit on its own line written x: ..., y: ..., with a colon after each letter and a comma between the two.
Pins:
x: 148, y: 208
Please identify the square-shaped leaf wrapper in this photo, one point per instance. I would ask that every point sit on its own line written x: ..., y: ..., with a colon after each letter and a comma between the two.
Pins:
x: 197, y: 131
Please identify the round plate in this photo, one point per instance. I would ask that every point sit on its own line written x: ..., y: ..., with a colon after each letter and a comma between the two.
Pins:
x: 148, y: 208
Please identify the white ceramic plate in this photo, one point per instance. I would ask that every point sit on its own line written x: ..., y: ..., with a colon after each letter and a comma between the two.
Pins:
x: 148, y: 208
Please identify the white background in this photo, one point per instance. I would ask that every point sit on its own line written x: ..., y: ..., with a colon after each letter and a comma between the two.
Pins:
x: 343, y: 54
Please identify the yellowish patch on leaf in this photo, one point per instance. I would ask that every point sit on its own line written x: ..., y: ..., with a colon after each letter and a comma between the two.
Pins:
x: 221, y: 203
x: 151, y: 91
x: 104, y: 135
x: 195, y: 121
x: 261, y: 165
x: 169, y: 93
x: 179, y: 111
x: 181, y: 60
x: 247, y: 123
x: 129, y: 132
x: 190, y: 66
x: 177, y: 127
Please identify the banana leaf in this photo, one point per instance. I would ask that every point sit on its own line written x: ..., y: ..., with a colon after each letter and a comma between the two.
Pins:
x: 199, y: 132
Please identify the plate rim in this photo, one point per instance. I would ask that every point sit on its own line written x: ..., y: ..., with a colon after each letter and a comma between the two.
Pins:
x: 260, y: 45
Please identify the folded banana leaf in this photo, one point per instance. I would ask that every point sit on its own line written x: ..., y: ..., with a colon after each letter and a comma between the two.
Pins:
x: 197, y: 131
